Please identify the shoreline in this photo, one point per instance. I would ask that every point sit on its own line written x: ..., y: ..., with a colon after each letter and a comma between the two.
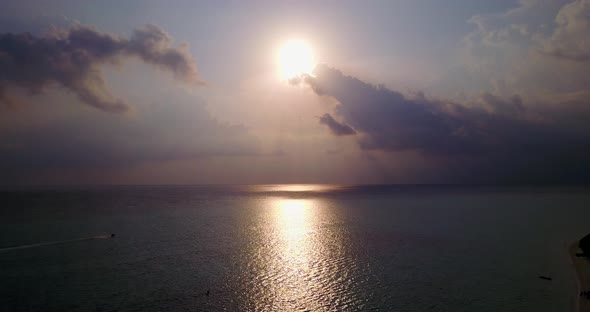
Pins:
x: 582, y: 270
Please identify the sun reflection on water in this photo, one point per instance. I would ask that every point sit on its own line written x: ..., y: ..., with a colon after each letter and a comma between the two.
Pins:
x: 293, y: 217
x: 292, y: 188
x: 294, y: 221
x: 300, y: 262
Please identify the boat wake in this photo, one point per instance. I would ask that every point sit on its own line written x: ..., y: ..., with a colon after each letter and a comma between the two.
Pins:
x: 56, y: 242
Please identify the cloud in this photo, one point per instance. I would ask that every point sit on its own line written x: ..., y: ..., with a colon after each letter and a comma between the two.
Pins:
x: 570, y: 39
x: 157, y: 134
x: 336, y: 127
x: 72, y: 58
x: 388, y: 119
x: 539, y: 47
x: 490, y: 136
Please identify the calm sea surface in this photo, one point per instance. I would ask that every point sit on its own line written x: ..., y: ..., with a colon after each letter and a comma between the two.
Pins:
x: 290, y: 248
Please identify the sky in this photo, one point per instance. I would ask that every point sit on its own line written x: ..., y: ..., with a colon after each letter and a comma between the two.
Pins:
x: 190, y: 92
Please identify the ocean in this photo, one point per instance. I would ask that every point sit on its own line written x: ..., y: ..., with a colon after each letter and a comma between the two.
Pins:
x: 290, y: 248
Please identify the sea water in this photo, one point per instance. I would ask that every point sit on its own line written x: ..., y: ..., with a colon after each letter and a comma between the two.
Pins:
x: 290, y: 248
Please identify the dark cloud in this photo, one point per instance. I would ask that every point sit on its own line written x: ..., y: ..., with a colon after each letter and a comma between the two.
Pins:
x: 72, y: 58
x: 388, y: 119
x: 490, y: 137
x: 336, y: 127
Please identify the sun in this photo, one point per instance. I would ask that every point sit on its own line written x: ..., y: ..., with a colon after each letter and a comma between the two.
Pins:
x: 295, y: 58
